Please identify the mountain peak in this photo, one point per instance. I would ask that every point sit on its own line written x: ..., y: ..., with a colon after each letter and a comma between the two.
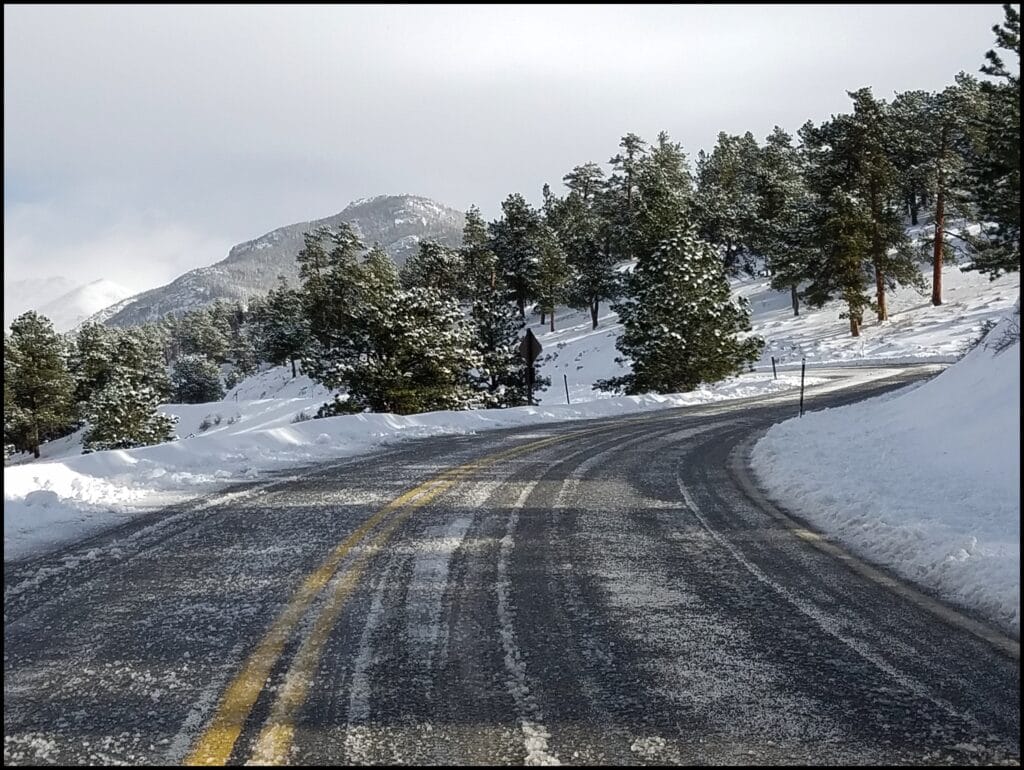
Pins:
x: 397, y: 222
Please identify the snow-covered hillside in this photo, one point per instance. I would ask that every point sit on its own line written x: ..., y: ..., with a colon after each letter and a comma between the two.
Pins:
x: 925, y: 481
x: 916, y: 332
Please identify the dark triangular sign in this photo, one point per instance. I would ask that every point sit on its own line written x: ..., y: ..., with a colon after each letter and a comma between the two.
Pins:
x: 529, y: 348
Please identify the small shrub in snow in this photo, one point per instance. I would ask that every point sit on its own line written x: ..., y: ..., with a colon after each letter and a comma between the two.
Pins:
x: 302, y: 416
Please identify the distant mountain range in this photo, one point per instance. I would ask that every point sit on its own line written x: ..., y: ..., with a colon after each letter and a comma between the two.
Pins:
x: 397, y: 222
x: 57, y: 298
x: 32, y: 294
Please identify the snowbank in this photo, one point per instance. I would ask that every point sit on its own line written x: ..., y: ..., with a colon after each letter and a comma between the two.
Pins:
x: 925, y: 481
x: 52, y: 502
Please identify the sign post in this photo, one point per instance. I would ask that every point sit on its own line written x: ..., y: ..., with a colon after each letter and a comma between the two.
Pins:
x: 529, y: 349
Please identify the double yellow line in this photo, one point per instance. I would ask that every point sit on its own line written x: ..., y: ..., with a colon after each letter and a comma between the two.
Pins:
x: 218, y: 740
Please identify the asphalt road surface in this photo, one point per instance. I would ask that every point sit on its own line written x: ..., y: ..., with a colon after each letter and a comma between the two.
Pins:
x: 600, y: 592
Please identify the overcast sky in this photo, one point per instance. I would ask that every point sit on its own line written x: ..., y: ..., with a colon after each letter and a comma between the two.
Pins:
x: 141, y: 142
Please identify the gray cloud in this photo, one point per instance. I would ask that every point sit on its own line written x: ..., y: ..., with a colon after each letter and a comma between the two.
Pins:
x: 143, y: 141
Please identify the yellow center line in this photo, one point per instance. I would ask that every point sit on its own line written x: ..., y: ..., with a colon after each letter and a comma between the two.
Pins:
x: 215, y: 745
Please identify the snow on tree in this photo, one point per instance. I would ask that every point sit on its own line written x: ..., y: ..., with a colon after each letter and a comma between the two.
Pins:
x: 681, y: 327
x: 586, y: 239
x: 995, y: 161
x: 435, y: 266
x: 281, y: 330
x: 196, y: 380
x: 514, y: 243
x: 931, y: 144
x: 780, y: 230
x: 726, y: 198
x: 553, y: 272
x: 123, y: 415
x: 38, y: 386
x: 92, y: 359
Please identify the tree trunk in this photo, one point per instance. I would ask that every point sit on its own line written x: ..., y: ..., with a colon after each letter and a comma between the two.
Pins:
x: 913, y: 208
x: 294, y: 373
x: 878, y: 250
x: 883, y: 310
x: 521, y: 304
x: 940, y: 223
x: 854, y: 325
x: 795, y: 299
x: 940, y: 214
x: 552, y: 319
x: 35, y: 451
x: 593, y: 313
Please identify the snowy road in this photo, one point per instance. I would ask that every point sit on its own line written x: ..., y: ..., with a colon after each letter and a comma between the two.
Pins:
x: 603, y: 592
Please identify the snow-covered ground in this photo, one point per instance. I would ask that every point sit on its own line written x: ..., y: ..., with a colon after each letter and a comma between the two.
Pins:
x: 925, y: 481
x: 67, y: 495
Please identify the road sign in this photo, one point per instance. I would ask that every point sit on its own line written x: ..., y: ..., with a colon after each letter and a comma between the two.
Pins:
x: 530, y: 348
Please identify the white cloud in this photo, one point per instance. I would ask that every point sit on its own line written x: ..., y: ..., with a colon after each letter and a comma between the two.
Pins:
x: 200, y: 126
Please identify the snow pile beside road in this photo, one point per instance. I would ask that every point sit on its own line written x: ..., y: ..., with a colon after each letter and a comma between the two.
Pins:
x: 60, y: 499
x: 925, y: 481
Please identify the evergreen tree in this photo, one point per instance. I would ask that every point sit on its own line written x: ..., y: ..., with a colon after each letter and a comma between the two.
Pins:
x: 995, y: 161
x: 867, y: 138
x: 92, y: 360
x: 479, y: 263
x: 140, y: 359
x: 664, y: 193
x: 680, y: 326
x: 931, y: 140
x: 726, y: 198
x: 618, y: 203
x: 586, y: 240
x: 552, y: 272
x: 435, y: 266
x: 204, y: 332
x: 514, y: 243
x: 780, y: 231
x: 281, y: 328
x: 41, y: 389
x: 196, y: 380
x: 500, y: 376
x: 123, y: 415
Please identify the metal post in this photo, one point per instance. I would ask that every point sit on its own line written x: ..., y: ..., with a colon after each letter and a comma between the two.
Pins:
x: 775, y: 374
x: 529, y: 383
x: 803, y: 368
x: 565, y: 378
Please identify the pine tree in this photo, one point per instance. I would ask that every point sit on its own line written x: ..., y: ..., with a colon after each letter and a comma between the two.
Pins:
x: 586, y: 240
x: 552, y: 272
x: 92, y: 359
x: 514, y: 243
x: 196, y: 380
x: 140, y: 359
x: 500, y: 377
x: 479, y: 263
x: 41, y: 388
x: 680, y: 326
x: 995, y: 161
x: 725, y: 198
x: 931, y: 141
x: 664, y: 193
x: 867, y: 139
x: 123, y: 415
x: 780, y: 231
x: 435, y: 266
x: 280, y: 327
x: 204, y: 332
